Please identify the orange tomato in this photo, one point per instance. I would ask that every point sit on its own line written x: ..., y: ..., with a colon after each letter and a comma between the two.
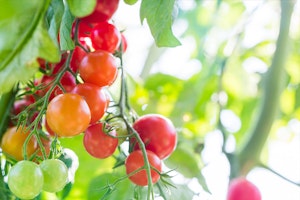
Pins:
x: 13, y: 141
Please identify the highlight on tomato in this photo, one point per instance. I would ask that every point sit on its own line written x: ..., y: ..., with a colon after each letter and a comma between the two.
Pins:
x: 25, y: 179
x: 135, y: 161
x: 158, y: 134
x: 99, y: 68
x: 98, y: 143
x: 68, y: 115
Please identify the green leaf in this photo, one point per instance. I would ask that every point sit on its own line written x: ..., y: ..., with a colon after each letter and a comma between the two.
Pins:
x: 19, y: 51
x: 66, y: 42
x: 81, y: 8
x: 158, y: 14
x: 55, y: 12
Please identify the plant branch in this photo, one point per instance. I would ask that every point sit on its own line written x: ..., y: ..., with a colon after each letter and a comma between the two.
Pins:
x: 272, y: 88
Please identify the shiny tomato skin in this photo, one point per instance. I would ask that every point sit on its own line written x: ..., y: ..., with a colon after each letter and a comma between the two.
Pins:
x: 13, y: 140
x: 158, y: 134
x: 99, y: 68
x: 104, y: 10
x: 242, y: 189
x: 68, y: 115
x: 124, y: 43
x: 97, y: 143
x: 25, y: 179
x: 105, y: 36
x: 135, y: 161
x: 95, y: 98
x: 55, y: 174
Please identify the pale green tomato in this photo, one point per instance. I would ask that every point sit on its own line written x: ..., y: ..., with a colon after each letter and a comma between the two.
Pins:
x: 55, y: 175
x: 25, y: 179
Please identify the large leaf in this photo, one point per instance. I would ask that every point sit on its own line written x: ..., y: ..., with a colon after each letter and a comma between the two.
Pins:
x: 81, y: 8
x: 159, y: 18
x: 23, y: 38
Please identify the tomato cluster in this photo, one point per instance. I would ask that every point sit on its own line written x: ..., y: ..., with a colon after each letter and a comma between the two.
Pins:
x: 159, y: 137
x: 76, y: 101
x: 26, y: 179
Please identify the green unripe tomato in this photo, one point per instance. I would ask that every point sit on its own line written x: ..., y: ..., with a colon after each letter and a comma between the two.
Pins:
x: 55, y: 175
x: 25, y: 179
x: 130, y: 2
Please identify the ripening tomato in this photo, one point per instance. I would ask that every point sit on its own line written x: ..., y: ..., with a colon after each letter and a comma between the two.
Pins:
x: 242, y: 189
x: 95, y: 98
x: 135, y: 161
x: 13, y: 140
x: 98, y: 143
x: 55, y: 175
x: 84, y: 32
x: 104, y: 10
x: 158, y: 134
x: 105, y: 36
x: 68, y: 115
x: 99, y: 68
x: 25, y: 179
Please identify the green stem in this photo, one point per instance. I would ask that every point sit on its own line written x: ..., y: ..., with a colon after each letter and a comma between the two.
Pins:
x: 6, y: 103
x: 250, y: 153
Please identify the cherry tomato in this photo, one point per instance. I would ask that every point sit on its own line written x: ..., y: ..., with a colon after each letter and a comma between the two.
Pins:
x: 77, y: 56
x: 25, y: 179
x: 13, y: 141
x: 55, y: 175
x: 135, y: 161
x: 241, y: 188
x: 104, y: 10
x: 68, y: 115
x: 99, y: 144
x: 99, y: 68
x: 84, y: 32
x: 105, y: 36
x: 95, y: 98
x: 158, y: 134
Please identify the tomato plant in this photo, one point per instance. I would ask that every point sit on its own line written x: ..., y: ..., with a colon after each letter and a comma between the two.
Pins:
x: 95, y: 98
x: 99, y: 68
x: 158, y: 134
x: 105, y: 36
x: 13, y: 140
x: 103, y: 11
x: 242, y: 189
x: 135, y: 163
x: 55, y: 174
x: 68, y: 115
x: 25, y: 179
x: 77, y: 56
x: 99, y: 143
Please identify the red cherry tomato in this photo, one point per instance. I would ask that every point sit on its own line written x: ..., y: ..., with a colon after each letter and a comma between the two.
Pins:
x: 13, y: 141
x: 158, y: 134
x: 99, y: 144
x: 84, y: 32
x: 104, y: 10
x: 77, y: 56
x: 242, y: 189
x: 135, y: 161
x: 68, y: 115
x: 98, y: 68
x: 105, y: 36
x: 95, y: 98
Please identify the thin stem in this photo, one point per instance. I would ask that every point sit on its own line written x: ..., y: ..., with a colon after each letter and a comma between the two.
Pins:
x: 278, y: 174
x: 45, y: 99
